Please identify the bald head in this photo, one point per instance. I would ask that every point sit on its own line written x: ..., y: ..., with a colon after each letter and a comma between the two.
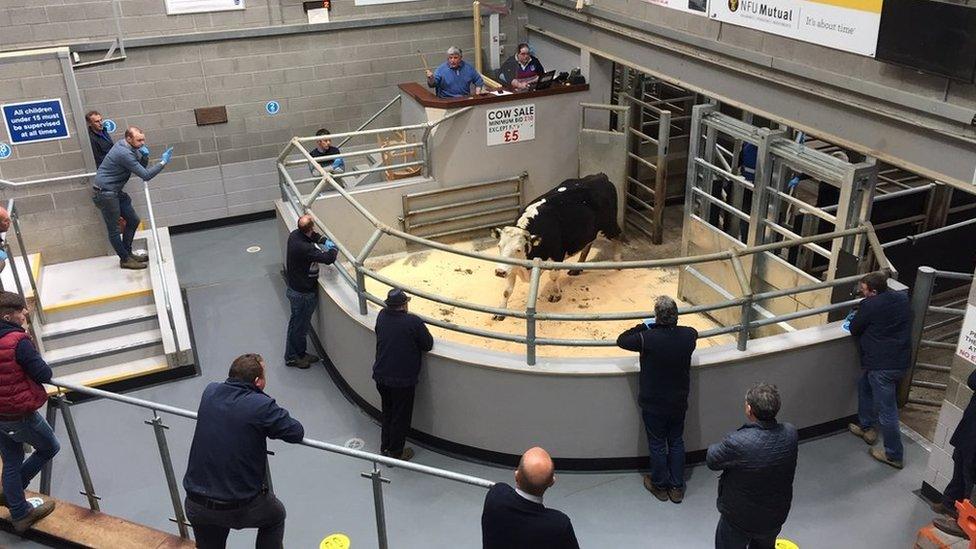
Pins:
x: 535, y: 472
x: 4, y: 220
x: 305, y: 224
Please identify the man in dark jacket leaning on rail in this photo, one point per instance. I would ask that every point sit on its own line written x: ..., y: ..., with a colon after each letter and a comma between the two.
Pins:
x: 401, y: 341
x: 758, y: 462
x: 665, y: 365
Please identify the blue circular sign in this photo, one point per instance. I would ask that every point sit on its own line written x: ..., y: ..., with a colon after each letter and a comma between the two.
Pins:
x: 272, y: 107
x: 5, y: 151
x: 109, y: 125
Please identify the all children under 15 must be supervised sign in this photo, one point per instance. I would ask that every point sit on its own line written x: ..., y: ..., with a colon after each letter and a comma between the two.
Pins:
x: 511, y: 124
x: 35, y: 121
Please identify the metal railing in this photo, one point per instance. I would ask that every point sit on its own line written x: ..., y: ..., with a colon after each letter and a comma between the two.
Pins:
x: 160, y: 266
x: 921, y: 297
x: 60, y: 403
x: 6, y: 183
x: 15, y: 223
x: 747, y: 301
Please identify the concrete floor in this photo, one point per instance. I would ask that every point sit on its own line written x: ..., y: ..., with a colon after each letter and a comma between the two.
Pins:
x: 842, y: 497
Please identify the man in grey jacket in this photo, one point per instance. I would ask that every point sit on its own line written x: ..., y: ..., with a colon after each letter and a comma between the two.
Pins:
x: 128, y: 156
x: 758, y: 462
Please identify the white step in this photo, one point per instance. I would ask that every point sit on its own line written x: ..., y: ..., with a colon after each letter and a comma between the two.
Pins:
x: 7, y: 275
x: 90, y: 286
x: 105, y: 352
x: 115, y: 372
x: 75, y: 331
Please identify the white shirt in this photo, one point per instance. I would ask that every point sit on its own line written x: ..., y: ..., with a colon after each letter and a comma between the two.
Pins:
x: 529, y: 497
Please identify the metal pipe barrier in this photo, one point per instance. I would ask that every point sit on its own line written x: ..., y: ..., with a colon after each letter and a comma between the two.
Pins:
x: 921, y: 297
x: 159, y: 261
x: 61, y: 403
x: 6, y: 183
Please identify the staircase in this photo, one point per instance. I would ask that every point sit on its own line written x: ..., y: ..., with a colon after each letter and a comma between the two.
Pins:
x: 105, y: 325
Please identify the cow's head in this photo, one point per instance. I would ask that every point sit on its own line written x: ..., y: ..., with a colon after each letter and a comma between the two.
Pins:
x: 514, y: 243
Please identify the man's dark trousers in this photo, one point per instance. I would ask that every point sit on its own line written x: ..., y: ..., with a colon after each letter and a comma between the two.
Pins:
x: 115, y: 204
x: 302, y: 307
x: 211, y: 526
x: 963, y: 476
x: 729, y: 536
x: 396, y: 415
x: 666, y: 445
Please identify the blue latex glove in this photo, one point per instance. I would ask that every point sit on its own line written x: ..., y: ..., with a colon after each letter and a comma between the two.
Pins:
x: 167, y: 155
x: 847, y: 321
x: 793, y: 182
x: 3, y: 255
x: 144, y: 150
x: 648, y: 322
x: 330, y: 244
x: 338, y: 165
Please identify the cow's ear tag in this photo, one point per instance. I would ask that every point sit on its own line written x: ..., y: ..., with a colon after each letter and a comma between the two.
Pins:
x: 535, y: 240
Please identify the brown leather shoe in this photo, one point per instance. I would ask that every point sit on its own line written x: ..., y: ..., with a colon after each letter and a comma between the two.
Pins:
x: 869, y: 435
x: 132, y: 263
x: 34, y: 515
x: 880, y: 455
x: 950, y: 526
x: 659, y: 493
x: 406, y: 454
x: 676, y: 494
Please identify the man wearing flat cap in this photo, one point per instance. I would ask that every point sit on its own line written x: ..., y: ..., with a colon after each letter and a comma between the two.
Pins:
x: 401, y: 341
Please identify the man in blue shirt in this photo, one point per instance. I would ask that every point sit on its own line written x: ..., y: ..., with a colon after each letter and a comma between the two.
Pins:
x: 454, y: 77
x: 128, y: 156
x: 226, y: 476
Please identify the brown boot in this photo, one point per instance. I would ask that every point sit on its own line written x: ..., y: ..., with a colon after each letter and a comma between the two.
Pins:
x: 880, y: 455
x: 34, y: 515
x: 659, y: 492
x: 406, y: 454
x: 676, y: 495
x: 869, y: 435
x: 131, y: 263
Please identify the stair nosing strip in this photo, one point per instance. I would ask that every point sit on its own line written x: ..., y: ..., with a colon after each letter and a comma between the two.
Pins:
x: 72, y: 304
x: 156, y: 340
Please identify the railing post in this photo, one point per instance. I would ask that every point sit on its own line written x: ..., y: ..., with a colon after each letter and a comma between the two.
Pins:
x: 69, y: 426
x: 51, y: 415
x: 921, y: 294
x: 378, y: 481
x: 174, y: 491
x: 530, y: 307
x: 360, y: 275
x: 746, y: 313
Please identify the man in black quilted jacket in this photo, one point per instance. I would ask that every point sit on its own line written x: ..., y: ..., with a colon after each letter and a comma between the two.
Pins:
x: 758, y: 462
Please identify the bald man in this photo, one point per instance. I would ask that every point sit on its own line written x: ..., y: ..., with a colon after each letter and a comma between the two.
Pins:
x: 515, y: 518
x: 128, y: 156
x: 301, y: 277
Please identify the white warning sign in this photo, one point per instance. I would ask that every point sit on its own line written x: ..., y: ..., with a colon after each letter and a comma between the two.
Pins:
x: 967, y: 337
x: 511, y: 124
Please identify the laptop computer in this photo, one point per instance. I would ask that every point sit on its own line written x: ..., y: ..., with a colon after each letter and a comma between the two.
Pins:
x: 545, y: 81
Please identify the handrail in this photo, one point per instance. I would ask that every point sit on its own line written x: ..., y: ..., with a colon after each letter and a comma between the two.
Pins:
x: 159, y: 265
x: 6, y: 183
x: 59, y: 402
x: 370, y: 120
x: 926, y: 234
x: 15, y: 222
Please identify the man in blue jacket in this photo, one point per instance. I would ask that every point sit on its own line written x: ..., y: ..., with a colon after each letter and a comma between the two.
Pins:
x: 128, y: 156
x: 454, y: 77
x: 882, y: 326
x: 101, y: 141
x: 401, y: 341
x: 665, y: 373
x: 758, y: 463
x: 302, y: 258
x: 226, y: 474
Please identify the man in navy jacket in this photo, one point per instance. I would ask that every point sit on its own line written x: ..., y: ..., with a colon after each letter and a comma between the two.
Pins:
x: 515, y: 518
x: 665, y: 365
x: 302, y: 258
x: 882, y: 326
x: 401, y: 341
x: 226, y: 474
x: 758, y: 463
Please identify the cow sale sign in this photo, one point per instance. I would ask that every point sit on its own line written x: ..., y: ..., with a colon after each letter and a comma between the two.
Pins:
x: 511, y: 124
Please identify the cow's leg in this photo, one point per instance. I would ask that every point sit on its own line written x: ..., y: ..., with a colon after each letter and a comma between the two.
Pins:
x: 615, y: 243
x: 555, y: 293
x: 582, y: 259
x: 509, y: 286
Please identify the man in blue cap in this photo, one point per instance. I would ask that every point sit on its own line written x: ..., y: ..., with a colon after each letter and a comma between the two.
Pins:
x: 401, y: 341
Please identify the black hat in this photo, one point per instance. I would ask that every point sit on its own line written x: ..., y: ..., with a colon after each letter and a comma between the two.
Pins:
x: 396, y: 297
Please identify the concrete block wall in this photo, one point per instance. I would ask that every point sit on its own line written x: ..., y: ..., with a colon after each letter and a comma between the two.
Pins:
x: 957, y: 398
x: 331, y: 78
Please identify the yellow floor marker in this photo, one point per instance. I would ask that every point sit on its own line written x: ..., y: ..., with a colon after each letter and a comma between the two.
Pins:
x: 335, y: 541
x: 781, y: 543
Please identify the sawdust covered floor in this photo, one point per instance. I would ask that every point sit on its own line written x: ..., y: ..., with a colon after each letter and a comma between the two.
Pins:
x: 474, y: 281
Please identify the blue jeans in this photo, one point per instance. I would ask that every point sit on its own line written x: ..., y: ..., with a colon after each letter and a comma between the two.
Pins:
x: 877, y: 406
x: 666, y: 444
x: 18, y: 473
x: 302, y: 307
x: 114, y: 205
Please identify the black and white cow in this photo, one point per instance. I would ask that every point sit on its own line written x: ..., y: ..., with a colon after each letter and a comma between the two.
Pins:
x: 559, y: 224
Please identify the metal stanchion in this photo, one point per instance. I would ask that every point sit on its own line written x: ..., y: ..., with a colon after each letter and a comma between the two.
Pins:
x: 69, y: 426
x: 530, y: 311
x: 921, y: 294
x: 378, y: 481
x: 174, y: 491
